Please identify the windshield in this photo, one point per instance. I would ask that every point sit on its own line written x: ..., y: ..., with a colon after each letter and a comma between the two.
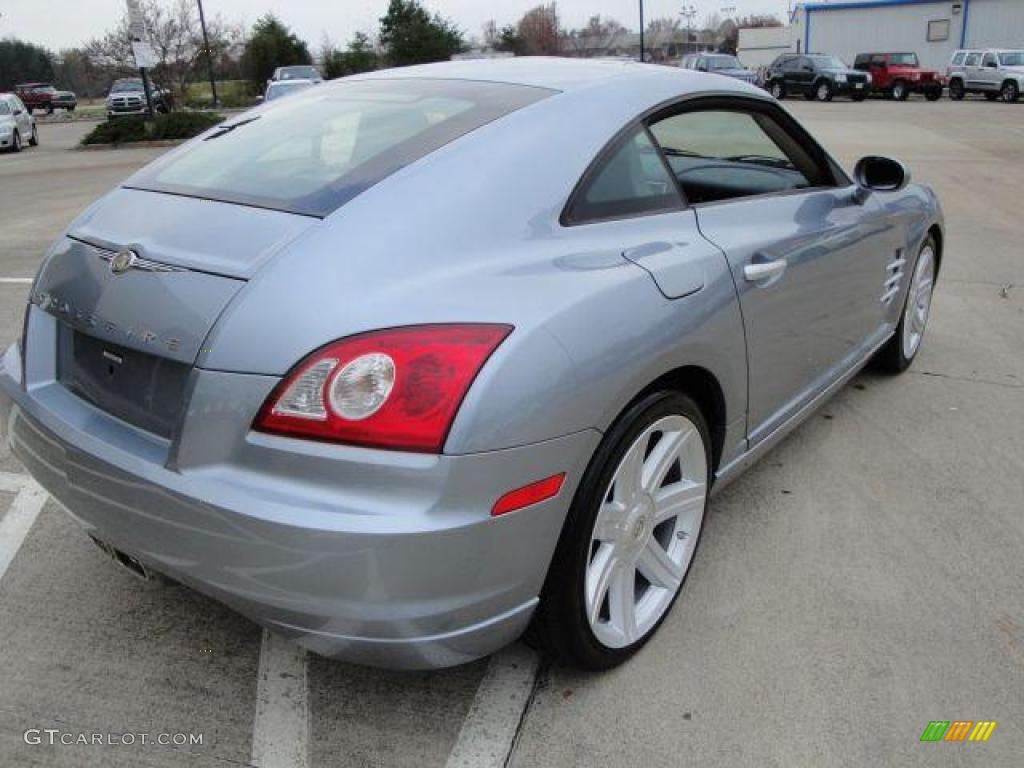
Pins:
x: 723, y: 62
x: 828, y: 62
x: 903, y: 59
x: 129, y: 85
x: 316, y: 150
x: 298, y: 73
x: 1012, y: 59
x: 279, y: 89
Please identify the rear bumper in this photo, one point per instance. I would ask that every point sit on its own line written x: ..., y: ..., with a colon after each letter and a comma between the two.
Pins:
x: 375, y: 557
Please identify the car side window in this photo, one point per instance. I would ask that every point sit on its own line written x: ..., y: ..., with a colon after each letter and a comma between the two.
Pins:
x: 726, y: 154
x: 631, y: 180
x: 989, y: 60
x: 972, y: 59
x: 958, y: 59
x: 5, y: 108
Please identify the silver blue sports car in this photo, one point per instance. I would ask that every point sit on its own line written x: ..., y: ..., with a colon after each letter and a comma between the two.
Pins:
x: 413, y: 361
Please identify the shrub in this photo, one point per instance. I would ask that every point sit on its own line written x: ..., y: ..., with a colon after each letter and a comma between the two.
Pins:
x: 174, y: 125
x: 118, y: 131
x: 182, y: 125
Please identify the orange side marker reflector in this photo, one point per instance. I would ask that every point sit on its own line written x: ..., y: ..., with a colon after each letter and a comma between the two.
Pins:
x: 529, y: 494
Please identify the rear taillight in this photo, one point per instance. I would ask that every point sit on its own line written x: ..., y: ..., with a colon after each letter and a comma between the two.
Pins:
x: 398, y: 389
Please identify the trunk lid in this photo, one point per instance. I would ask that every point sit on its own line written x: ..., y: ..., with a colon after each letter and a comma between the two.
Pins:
x: 127, y: 339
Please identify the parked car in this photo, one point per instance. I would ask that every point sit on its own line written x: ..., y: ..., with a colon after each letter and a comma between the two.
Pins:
x: 719, y: 64
x: 46, y: 97
x: 994, y: 73
x: 128, y: 97
x: 17, y: 126
x: 278, y: 88
x: 816, y: 76
x: 899, y: 74
x: 319, y: 364
x: 297, y: 72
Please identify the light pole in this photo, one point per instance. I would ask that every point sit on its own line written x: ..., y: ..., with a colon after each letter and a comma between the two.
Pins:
x: 688, y: 12
x: 641, y: 31
x: 209, y: 53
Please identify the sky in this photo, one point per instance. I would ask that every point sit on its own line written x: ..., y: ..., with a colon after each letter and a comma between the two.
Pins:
x: 66, y: 23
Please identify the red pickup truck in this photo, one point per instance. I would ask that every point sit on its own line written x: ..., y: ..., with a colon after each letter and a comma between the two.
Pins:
x: 45, y: 97
x: 899, y: 75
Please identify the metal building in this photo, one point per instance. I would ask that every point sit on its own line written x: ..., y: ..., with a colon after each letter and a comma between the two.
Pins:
x: 931, y: 28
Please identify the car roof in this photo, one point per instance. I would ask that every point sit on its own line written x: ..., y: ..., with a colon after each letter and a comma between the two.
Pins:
x: 560, y: 74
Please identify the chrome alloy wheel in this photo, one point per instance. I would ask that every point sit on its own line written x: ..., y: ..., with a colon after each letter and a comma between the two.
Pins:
x: 645, y: 531
x: 919, y: 302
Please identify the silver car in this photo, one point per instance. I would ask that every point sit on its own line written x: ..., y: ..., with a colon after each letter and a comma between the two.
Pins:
x: 408, y: 361
x: 998, y: 74
x: 17, y: 125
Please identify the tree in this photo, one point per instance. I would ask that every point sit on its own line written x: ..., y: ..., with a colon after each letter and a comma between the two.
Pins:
x: 271, y: 45
x: 22, y: 62
x: 359, y: 57
x: 510, y: 41
x: 539, y: 31
x: 599, y: 36
x: 410, y: 35
x: 172, y: 29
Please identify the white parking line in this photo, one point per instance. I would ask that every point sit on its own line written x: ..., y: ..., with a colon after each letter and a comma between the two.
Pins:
x: 280, y: 733
x: 18, y: 519
x: 17, y: 280
x: 487, y: 734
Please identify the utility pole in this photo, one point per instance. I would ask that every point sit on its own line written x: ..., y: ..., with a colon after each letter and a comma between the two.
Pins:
x: 209, y: 54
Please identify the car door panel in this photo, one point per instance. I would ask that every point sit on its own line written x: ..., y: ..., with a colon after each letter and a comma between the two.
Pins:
x: 810, y: 270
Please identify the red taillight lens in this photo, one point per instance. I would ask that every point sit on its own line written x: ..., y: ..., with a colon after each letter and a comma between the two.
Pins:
x: 398, y: 389
x: 534, y: 493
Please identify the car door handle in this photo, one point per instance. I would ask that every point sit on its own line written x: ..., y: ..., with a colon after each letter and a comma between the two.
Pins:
x: 764, y: 270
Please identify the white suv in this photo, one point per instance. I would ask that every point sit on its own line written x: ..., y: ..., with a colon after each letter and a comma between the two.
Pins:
x: 995, y: 73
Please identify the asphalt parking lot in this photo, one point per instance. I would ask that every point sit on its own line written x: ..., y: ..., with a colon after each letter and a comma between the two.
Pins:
x: 865, y: 578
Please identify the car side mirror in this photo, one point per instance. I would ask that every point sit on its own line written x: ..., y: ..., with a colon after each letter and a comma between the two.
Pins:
x: 18, y: 112
x: 879, y: 174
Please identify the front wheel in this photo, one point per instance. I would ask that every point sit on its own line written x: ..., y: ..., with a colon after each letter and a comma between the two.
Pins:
x: 823, y: 92
x: 778, y: 90
x: 630, y: 534
x: 897, y: 355
x: 16, y: 142
x: 956, y: 90
x: 33, y: 140
x: 934, y: 94
x: 1010, y: 91
x: 900, y: 91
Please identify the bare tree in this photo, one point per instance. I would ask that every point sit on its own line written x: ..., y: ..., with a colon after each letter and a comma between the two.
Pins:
x: 539, y: 31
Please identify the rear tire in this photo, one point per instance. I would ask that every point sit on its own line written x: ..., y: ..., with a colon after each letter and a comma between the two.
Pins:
x: 16, y: 142
x: 900, y: 351
x: 934, y: 94
x: 956, y: 90
x: 630, y: 534
x: 33, y: 140
x: 1010, y: 92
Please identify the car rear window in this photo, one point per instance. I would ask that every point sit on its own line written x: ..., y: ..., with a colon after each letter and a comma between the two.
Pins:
x: 316, y: 150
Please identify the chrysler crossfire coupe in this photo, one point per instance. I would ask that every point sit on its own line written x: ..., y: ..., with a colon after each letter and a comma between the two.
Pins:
x: 415, y: 361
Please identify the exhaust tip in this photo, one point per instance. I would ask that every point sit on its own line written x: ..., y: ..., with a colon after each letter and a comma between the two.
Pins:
x: 123, y: 559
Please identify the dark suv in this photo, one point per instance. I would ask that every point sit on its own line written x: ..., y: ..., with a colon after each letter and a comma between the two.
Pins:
x: 815, y: 75
x: 898, y: 75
